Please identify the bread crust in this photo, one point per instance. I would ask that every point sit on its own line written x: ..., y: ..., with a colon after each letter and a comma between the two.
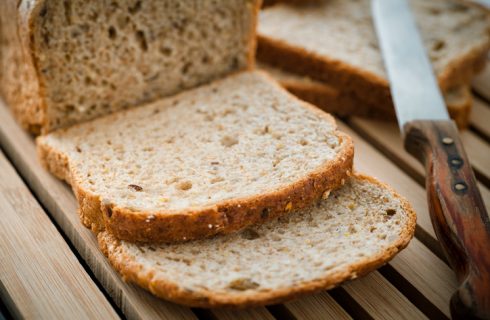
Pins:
x: 334, y: 101
x: 362, y: 85
x: 166, y: 289
x: 197, y: 223
x: 20, y: 81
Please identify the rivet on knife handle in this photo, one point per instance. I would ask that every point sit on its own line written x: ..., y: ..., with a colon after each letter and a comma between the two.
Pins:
x: 457, y: 212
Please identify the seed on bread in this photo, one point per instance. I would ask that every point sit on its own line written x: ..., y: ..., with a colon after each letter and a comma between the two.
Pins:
x: 135, y: 187
x: 243, y: 284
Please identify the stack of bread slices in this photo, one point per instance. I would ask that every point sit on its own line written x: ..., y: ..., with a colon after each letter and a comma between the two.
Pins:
x: 206, y: 182
x: 326, y: 52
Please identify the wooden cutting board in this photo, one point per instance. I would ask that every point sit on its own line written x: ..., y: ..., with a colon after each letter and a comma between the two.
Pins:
x: 51, y: 267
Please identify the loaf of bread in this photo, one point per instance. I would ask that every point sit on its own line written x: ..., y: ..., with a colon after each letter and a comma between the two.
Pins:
x: 64, y: 62
x: 210, y: 160
x: 458, y: 100
x: 334, y: 42
x: 350, y: 232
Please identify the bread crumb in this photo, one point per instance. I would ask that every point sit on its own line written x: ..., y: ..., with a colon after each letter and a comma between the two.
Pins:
x: 289, y: 206
x: 325, y: 195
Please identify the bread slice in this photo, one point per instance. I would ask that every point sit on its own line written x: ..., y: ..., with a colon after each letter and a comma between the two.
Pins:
x: 325, y: 96
x: 210, y: 160
x: 458, y: 100
x: 357, y: 229
x: 456, y: 36
x: 71, y: 61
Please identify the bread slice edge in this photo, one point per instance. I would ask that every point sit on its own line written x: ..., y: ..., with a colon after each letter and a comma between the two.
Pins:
x: 133, y: 272
x: 220, y: 218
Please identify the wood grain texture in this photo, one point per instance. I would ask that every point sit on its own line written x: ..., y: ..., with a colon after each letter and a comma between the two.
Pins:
x: 317, y: 307
x: 481, y: 83
x: 427, y: 273
x: 458, y: 214
x: 246, y: 314
x: 387, y: 303
x: 479, y: 153
x: 58, y: 198
x: 40, y: 276
x: 480, y: 118
x: 431, y: 282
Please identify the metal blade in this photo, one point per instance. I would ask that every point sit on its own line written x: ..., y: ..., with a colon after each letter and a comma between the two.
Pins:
x: 413, y: 86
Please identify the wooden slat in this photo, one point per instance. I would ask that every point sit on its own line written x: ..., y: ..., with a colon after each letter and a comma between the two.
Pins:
x: 480, y: 117
x: 387, y: 303
x: 63, y: 205
x: 385, y: 137
x: 246, y: 314
x: 427, y: 273
x: 40, y: 276
x: 481, y: 83
x: 59, y: 200
x: 38, y: 175
x: 432, y: 282
x: 479, y: 154
x: 317, y: 307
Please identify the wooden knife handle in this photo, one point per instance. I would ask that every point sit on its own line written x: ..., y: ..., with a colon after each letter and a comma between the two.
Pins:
x: 458, y: 214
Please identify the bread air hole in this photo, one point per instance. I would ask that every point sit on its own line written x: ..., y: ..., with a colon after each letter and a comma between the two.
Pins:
x: 438, y: 45
x: 166, y: 51
x: 141, y: 39
x: 228, y: 141
x: 250, y: 234
x: 112, y: 33
x: 134, y: 9
x: 184, y: 185
x: 390, y: 212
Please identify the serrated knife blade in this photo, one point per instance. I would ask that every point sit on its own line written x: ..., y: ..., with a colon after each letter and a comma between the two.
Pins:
x: 416, y: 94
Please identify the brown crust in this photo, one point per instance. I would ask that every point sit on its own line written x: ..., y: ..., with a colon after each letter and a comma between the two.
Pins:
x: 342, y: 104
x: 460, y: 112
x: 360, y: 84
x: 334, y: 101
x: 20, y: 83
x: 166, y: 289
x: 252, y: 48
x: 223, y: 217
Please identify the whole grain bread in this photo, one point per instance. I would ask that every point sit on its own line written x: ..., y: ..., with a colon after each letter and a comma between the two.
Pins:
x: 456, y: 36
x: 458, y: 100
x: 210, y: 160
x: 70, y: 61
x: 352, y: 231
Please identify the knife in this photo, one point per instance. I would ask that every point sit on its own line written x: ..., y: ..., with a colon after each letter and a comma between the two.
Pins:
x: 457, y: 212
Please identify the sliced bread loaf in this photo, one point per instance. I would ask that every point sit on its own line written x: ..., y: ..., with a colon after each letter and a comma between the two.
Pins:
x: 74, y: 60
x: 458, y: 100
x: 456, y: 36
x: 210, y: 160
x: 357, y: 229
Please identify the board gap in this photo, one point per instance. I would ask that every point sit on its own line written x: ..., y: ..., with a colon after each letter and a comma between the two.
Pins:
x: 349, y: 304
x: 412, y: 294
